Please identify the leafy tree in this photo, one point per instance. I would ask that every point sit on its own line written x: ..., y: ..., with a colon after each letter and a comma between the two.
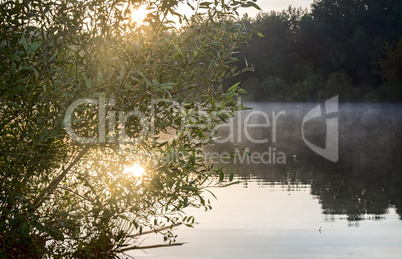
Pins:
x: 390, y: 70
x: 85, y: 93
x: 391, y: 65
x: 355, y: 33
x: 271, y: 52
x: 338, y: 83
x: 344, y: 35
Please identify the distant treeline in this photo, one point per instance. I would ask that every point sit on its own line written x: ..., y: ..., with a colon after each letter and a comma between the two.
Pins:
x: 350, y: 48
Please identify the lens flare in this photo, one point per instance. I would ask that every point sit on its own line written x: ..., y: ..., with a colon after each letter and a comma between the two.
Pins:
x: 135, y: 170
x: 139, y: 14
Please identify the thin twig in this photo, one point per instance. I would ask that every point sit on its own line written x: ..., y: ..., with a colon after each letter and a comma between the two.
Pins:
x: 153, y: 231
x: 148, y: 247
x: 53, y: 185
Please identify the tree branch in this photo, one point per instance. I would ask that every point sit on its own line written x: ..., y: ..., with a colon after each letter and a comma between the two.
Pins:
x: 148, y: 247
x: 53, y: 185
x: 153, y: 231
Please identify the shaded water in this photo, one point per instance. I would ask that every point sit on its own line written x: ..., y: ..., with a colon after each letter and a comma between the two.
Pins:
x: 308, y: 207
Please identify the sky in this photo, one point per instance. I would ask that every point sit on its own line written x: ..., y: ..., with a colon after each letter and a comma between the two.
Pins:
x: 276, y: 5
x: 265, y: 5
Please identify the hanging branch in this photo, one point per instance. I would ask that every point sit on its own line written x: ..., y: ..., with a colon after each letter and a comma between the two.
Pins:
x: 147, y: 247
x: 53, y: 185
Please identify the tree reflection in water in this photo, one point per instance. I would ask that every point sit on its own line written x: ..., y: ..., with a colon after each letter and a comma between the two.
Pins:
x: 362, y: 185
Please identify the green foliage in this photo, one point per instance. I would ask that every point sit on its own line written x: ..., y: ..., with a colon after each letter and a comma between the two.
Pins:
x: 338, y: 83
x: 62, y: 198
x: 308, y: 87
x: 391, y: 65
x: 347, y: 36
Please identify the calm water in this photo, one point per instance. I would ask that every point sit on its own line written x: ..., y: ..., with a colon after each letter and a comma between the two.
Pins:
x: 308, y: 207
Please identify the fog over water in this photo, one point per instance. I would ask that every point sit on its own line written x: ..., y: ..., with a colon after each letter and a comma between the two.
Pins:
x: 308, y: 207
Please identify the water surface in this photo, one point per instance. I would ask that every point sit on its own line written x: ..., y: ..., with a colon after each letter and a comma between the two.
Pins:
x: 308, y: 207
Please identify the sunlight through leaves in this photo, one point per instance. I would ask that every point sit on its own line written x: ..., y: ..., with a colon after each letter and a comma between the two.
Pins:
x: 139, y: 14
x: 135, y: 170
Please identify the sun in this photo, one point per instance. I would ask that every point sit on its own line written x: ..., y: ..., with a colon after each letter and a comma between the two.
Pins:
x: 135, y: 170
x: 139, y: 14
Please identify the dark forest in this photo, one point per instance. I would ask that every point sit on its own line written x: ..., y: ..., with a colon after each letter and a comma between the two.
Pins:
x: 350, y: 48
